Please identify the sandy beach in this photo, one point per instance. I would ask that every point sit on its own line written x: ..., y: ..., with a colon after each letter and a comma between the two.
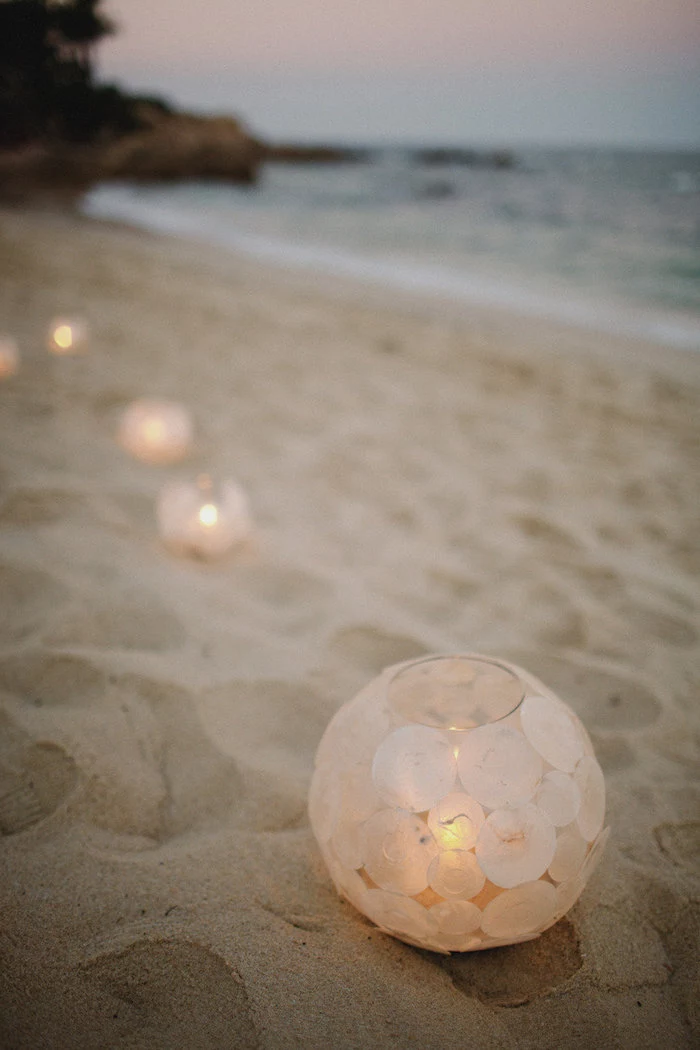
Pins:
x: 422, y: 480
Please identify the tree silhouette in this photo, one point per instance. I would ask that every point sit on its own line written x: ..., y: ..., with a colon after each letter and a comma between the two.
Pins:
x: 46, y: 71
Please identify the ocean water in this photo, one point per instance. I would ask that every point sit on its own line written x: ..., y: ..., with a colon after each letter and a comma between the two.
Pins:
x: 606, y: 239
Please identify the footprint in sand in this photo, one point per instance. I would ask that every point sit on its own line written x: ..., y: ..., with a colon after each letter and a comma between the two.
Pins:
x: 172, y: 993
x: 270, y: 729
x: 134, y: 620
x: 203, y: 786
x: 517, y: 974
x: 604, y: 700
x: 541, y: 530
x: 26, y: 506
x: 680, y: 843
x: 370, y: 650
x: 293, y: 600
x: 658, y: 625
x: 34, y: 779
x: 29, y: 598
x: 48, y: 679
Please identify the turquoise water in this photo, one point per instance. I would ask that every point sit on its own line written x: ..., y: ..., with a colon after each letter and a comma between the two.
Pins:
x: 608, y: 238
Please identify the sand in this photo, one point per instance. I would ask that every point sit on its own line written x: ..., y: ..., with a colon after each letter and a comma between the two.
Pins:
x: 421, y: 481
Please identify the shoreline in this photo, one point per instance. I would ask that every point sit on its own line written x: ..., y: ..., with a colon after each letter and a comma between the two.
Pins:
x: 614, y: 317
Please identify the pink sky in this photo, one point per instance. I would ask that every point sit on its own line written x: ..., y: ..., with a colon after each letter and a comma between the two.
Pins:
x: 206, y: 52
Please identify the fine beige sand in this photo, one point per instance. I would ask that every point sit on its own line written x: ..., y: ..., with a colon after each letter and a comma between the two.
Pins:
x: 421, y: 481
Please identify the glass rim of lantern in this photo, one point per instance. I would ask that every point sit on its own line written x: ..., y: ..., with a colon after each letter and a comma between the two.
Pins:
x: 469, y: 690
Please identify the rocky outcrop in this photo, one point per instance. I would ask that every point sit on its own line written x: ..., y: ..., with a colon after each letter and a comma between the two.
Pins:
x: 440, y: 156
x: 182, y: 146
x: 299, y: 153
x: 166, y: 146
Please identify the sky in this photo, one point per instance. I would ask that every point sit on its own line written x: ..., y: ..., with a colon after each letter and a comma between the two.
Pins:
x: 492, y: 72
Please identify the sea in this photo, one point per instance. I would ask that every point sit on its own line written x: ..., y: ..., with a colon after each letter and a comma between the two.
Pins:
x: 607, y: 240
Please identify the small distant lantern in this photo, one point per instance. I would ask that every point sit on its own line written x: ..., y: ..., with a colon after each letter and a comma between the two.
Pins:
x: 9, y: 357
x: 156, y: 431
x: 202, y: 519
x: 68, y: 336
x: 458, y: 804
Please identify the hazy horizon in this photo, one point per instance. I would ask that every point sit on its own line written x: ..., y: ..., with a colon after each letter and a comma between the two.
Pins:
x: 553, y: 74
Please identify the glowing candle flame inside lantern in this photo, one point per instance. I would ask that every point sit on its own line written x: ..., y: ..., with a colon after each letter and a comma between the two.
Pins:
x: 458, y: 803
x: 208, y: 515
x: 67, y: 336
x: 203, y: 520
x: 155, y: 431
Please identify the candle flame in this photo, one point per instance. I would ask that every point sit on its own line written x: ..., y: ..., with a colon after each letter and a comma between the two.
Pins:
x: 63, y: 336
x: 208, y: 515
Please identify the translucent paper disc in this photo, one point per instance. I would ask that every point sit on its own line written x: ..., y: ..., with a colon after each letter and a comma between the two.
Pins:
x: 520, y: 911
x: 498, y: 767
x: 414, y: 767
x: 594, y: 855
x: 589, y: 780
x: 456, y: 873
x: 568, y: 855
x: 455, y: 821
x: 568, y: 893
x: 558, y: 797
x: 552, y: 731
x: 398, y: 848
x: 348, y: 841
x: 399, y: 915
x: 348, y: 882
x: 515, y: 845
x: 456, y: 917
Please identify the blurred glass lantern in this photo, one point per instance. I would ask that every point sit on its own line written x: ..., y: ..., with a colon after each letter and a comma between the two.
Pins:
x: 203, y: 519
x: 156, y: 431
x: 9, y: 357
x: 458, y: 804
x: 68, y: 336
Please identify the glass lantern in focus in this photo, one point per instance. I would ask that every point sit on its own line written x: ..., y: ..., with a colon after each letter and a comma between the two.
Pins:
x: 458, y: 804
x: 202, y: 519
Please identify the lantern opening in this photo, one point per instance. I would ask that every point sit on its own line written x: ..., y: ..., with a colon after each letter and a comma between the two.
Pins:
x: 454, y: 692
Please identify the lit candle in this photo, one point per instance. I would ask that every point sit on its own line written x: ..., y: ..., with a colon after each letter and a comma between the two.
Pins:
x: 156, y: 431
x: 68, y: 336
x: 9, y: 357
x: 458, y: 804
x: 201, y: 519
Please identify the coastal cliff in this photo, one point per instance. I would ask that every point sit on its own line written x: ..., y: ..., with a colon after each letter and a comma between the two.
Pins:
x: 163, y: 146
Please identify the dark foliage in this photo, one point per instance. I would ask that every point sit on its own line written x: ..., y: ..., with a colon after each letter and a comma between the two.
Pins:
x: 47, y: 91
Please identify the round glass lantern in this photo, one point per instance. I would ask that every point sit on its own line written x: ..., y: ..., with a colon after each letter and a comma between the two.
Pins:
x: 68, y: 335
x: 458, y: 803
x: 156, y: 431
x: 9, y: 357
x: 203, y: 519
